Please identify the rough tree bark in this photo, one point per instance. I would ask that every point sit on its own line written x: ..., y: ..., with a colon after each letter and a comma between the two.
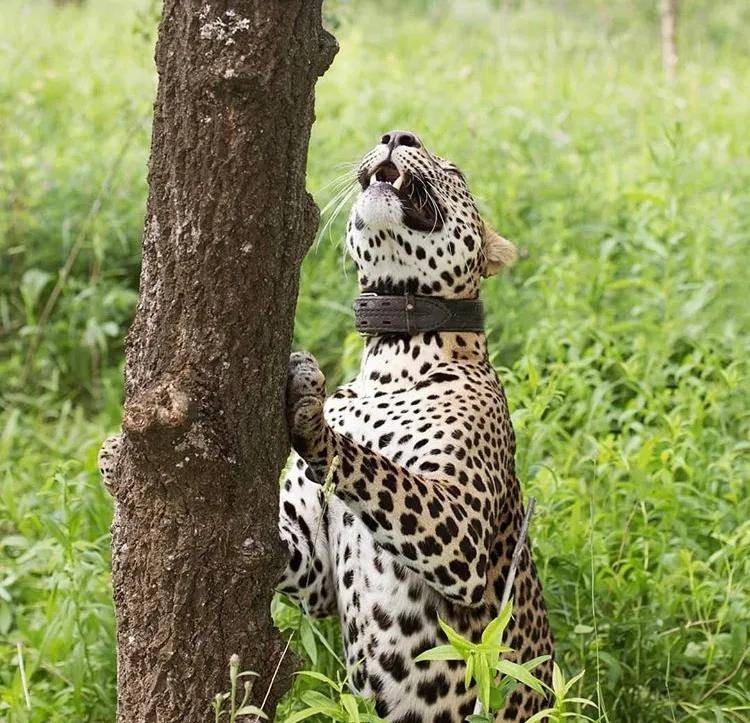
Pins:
x: 195, y: 546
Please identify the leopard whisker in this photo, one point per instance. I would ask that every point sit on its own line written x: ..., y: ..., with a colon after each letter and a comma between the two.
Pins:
x: 339, y: 181
x: 340, y: 200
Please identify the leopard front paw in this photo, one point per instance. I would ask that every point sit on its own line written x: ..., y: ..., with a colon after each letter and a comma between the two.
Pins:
x: 305, y: 394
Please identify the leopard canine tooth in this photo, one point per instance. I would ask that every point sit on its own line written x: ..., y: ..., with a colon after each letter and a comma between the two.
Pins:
x: 374, y: 178
x: 399, y: 181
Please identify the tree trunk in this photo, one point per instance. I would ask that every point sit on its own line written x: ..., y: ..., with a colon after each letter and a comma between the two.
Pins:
x: 195, y: 477
x: 668, y: 12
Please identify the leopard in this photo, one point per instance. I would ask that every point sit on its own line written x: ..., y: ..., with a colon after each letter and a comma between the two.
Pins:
x: 401, y: 506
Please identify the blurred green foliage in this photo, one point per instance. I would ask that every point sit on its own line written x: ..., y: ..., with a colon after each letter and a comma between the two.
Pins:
x: 622, y: 335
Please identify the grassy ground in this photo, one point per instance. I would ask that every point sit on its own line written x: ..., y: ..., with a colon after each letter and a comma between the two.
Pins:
x: 622, y: 335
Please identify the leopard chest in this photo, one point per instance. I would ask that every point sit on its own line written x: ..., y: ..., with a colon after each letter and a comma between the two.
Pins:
x: 388, y: 617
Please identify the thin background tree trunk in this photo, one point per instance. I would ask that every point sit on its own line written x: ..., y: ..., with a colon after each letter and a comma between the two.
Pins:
x: 668, y: 12
x: 195, y: 545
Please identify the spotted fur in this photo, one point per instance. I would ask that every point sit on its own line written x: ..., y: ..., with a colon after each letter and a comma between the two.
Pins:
x: 427, y: 506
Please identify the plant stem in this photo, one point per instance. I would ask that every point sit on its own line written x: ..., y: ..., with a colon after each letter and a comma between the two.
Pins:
x: 515, y: 559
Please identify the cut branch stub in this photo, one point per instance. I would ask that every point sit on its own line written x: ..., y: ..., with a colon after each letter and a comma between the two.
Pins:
x: 165, y: 408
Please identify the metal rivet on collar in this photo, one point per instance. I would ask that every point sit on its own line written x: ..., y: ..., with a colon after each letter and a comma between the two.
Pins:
x: 411, y: 322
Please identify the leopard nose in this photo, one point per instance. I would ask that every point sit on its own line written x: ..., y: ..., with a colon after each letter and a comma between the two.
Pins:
x: 393, y: 139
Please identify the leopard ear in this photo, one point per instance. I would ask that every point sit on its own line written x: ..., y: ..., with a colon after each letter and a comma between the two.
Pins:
x: 498, y: 251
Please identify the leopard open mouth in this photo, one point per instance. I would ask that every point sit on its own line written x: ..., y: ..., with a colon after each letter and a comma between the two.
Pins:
x: 420, y: 209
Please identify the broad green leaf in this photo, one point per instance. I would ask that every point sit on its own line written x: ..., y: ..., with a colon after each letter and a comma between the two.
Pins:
x: 252, y: 710
x: 316, y: 698
x: 349, y: 704
x: 469, y: 671
x: 505, y: 684
x: 456, y: 640
x: 574, y: 680
x: 318, y: 676
x: 32, y: 285
x: 495, y: 650
x: 307, y: 638
x: 483, y: 675
x: 544, y: 714
x: 498, y: 697
x: 493, y: 633
x: 558, y: 682
x: 519, y: 673
x: 581, y: 701
x: 309, y: 713
x: 441, y: 652
x: 535, y: 662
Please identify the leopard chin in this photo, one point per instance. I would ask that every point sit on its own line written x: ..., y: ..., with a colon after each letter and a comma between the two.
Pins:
x: 419, y: 209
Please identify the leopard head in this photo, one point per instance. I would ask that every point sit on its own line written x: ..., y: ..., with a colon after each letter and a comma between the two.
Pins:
x: 415, y: 226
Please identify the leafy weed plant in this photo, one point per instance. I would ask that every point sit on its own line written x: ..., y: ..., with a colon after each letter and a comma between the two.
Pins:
x: 227, y: 705
x: 496, y: 678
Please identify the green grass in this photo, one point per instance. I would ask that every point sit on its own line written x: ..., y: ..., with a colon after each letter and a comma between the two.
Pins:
x: 622, y: 335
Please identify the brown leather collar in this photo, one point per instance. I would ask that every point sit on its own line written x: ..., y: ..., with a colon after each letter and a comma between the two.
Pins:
x: 376, y: 314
